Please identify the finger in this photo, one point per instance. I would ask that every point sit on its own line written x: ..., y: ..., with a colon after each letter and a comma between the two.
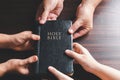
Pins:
x: 73, y: 55
x: 24, y: 71
x: 28, y: 35
x: 58, y: 74
x: 35, y: 37
x: 30, y: 60
x: 44, y: 16
x: 58, y: 10
x: 26, y: 46
x: 79, y: 48
x: 52, y: 16
x: 81, y: 33
x: 79, y: 52
x: 76, y: 25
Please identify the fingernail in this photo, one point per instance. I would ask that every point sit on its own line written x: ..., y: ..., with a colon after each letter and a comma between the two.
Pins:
x: 38, y: 37
x: 35, y: 58
x: 71, y: 31
x: 67, y: 51
x: 35, y: 37
x: 50, y: 68
x: 42, y: 21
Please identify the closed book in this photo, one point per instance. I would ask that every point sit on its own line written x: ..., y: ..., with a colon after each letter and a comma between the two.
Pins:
x: 54, y: 40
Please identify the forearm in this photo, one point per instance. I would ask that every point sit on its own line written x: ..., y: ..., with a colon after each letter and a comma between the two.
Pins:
x: 106, y: 73
x: 2, y: 69
x: 4, y: 41
x: 93, y: 3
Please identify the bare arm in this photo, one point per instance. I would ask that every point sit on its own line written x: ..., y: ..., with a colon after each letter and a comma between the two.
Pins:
x: 51, y: 10
x: 17, y: 65
x: 4, y: 41
x: 106, y: 72
x: 84, y: 18
x: 84, y: 58
x: 19, y: 41
x: 2, y: 69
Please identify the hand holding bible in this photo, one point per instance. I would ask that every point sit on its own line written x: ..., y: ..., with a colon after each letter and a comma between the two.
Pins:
x: 22, y: 41
x: 51, y: 9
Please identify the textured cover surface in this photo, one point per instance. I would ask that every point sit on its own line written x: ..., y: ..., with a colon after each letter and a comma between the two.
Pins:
x: 55, y: 39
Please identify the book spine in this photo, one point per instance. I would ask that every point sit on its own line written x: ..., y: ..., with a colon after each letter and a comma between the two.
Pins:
x: 38, y: 51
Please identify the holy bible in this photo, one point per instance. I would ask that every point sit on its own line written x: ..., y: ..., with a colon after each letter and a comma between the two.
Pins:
x: 54, y: 40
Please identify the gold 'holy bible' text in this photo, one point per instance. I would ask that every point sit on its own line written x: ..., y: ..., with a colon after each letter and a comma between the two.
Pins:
x: 54, y: 36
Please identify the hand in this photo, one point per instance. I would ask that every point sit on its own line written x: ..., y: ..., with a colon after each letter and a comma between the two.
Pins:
x: 84, y: 20
x: 17, y: 65
x: 51, y: 10
x: 58, y: 74
x: 83, y: 57
x: 22, y: 41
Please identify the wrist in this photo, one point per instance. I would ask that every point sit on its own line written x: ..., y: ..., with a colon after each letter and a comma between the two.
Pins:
x: 91, y: 3
x: 5, y: 41
x: 3, y: 69
x: 12, y: 41
x: 93, y: 67
x: 96, y: 69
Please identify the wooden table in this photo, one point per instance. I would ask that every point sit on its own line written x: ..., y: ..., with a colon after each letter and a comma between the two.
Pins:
x: 103, y: 41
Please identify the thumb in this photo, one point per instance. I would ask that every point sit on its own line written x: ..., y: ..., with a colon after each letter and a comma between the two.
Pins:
x: 22, y: 37
x: 73, y: 55
x: 76, y: 25
x: 23, y: 71
x: 44, y: 16
x: 25, y: 34
x: 30, y: 60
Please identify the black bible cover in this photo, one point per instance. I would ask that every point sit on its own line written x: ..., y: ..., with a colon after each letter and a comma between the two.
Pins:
x: 54, y: 40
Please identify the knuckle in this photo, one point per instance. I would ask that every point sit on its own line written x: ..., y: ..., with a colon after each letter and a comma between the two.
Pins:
x: 12, y: 62
x: 26, y: 33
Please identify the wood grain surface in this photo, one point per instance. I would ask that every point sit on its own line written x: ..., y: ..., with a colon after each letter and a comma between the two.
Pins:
x: 103, y: 41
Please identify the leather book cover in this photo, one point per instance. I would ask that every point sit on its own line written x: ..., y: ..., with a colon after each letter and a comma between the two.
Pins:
x: 51, y: 47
